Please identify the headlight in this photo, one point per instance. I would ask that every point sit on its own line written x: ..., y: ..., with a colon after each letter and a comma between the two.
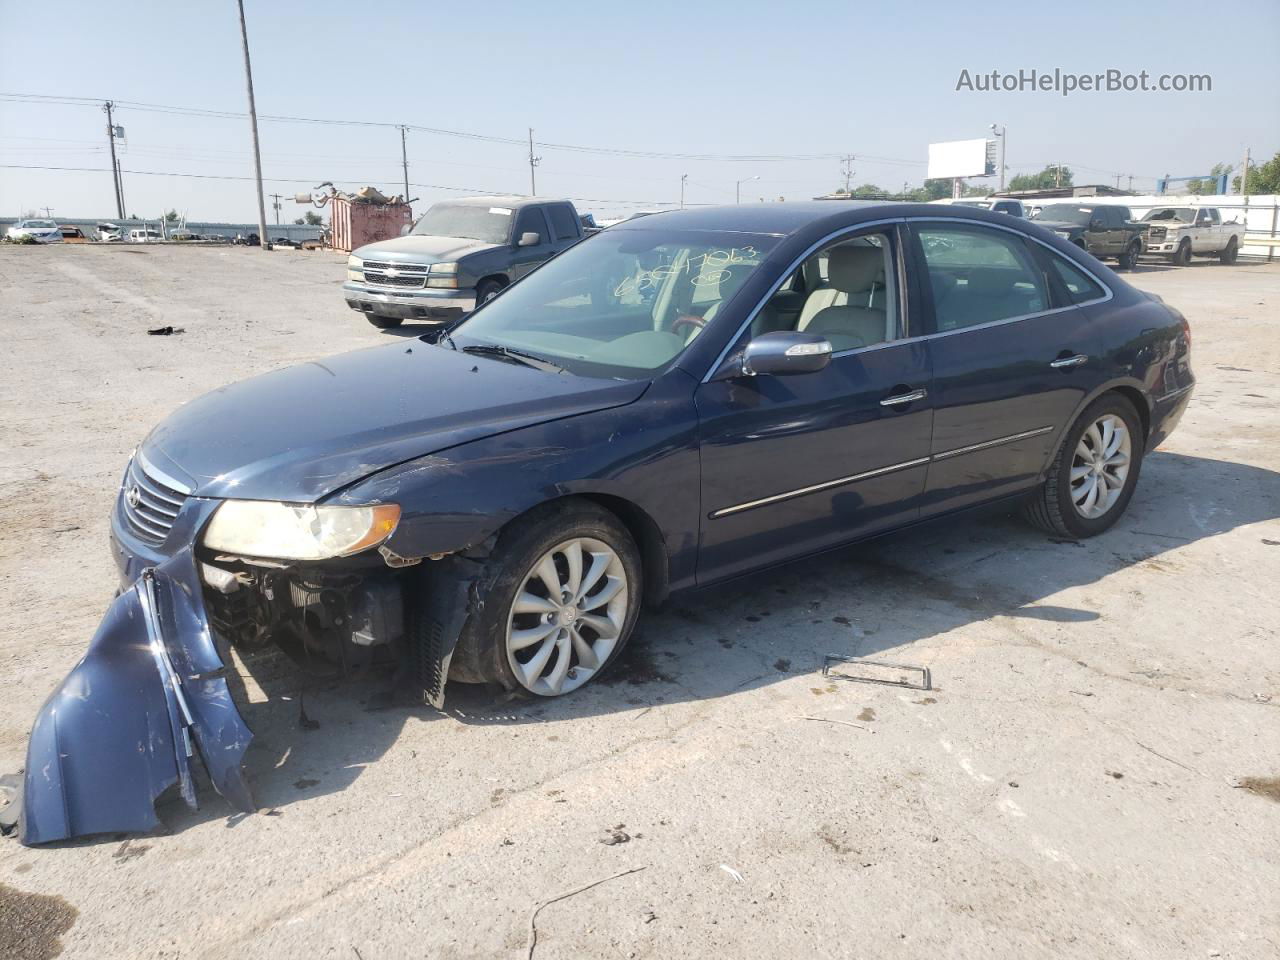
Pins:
x: 444, y: 268
x: 355, y: 269
x: 298, y: 531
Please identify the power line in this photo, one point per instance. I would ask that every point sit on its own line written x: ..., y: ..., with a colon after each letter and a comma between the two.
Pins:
x: 479, y: 191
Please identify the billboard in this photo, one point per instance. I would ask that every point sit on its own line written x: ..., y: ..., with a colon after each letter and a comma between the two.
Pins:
x: 962, y: 158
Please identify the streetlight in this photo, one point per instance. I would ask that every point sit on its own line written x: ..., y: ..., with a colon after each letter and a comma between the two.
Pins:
x: 737, y: 188
x: 684, y: 178
x: 1003, y: 143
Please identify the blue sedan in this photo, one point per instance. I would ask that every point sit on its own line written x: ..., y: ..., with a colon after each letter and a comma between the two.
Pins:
x: 675, y: 402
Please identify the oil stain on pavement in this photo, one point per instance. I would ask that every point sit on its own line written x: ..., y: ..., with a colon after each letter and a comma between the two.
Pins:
x: 32, y: 925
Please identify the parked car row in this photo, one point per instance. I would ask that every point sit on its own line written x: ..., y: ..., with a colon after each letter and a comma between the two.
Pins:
x: 1108, y: 230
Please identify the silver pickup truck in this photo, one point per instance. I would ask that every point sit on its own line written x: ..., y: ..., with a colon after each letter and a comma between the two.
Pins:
x: 459, y: 254
x: 1179, y: 233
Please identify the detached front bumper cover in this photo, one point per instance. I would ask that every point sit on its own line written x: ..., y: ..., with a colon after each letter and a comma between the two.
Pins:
x: 128, y: 721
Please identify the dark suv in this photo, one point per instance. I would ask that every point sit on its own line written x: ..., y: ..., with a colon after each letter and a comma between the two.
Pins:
x: 459, y: 254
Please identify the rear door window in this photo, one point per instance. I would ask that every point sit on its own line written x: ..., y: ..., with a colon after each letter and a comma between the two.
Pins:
x: 979, y: 275
x: 562, y: 222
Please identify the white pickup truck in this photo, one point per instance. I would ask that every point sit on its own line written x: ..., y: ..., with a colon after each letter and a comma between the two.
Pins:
x: 1180, y: 233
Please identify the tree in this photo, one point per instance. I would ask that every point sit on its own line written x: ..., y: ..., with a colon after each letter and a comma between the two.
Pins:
x: 1044, y: 180
x: 313, y: 219
x: 172, y: 217
x: 1199, y: 187
x: 1264, y: 178
x: 870, y: 190
x: 299, y: 222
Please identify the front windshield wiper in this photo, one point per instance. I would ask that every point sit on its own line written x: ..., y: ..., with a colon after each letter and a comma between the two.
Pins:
x: 513, y: 356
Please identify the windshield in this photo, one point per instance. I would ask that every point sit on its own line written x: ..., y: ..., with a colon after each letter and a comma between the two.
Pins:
x: 621, y: 304
x: 1062, y: 213
x: 39, y: 224
x: 1181, y: 214
x: 470, y: 221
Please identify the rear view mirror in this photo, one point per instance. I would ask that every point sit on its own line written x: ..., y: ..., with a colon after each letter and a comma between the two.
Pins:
x: 529, y: 239
x: 785, y: 352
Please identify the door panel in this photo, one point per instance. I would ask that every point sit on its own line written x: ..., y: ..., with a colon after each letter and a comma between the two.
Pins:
x: 1009, y: 367
x: 809, y: 441
x: 524, y: 259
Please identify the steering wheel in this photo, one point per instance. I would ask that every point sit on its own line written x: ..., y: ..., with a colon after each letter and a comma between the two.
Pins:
x: 687, y: 320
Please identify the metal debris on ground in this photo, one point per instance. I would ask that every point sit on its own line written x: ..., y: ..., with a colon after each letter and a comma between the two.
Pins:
x: 732, y: 872
x: 165, y: 331
x: 843, y: 723
x: 892, y: 676
x: 533, y: 916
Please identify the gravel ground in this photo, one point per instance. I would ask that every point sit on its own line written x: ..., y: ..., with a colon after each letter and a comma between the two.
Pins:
x: 1092, y: 777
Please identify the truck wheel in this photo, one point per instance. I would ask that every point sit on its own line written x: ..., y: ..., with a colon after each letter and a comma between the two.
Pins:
x: 1182, y: 256
x: 1229, y: 255
x: 560, y: 602
x: 1129, y: 259
x: 488, y: 290
x: 384, y: 323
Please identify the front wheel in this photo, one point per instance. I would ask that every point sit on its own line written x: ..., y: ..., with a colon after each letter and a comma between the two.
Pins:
x: 488, y: 290
x: 560, y: 604
x: 1229, y: 254
x: 1182, y: 256
x: 1093, y: 476
x: 1129, y: 259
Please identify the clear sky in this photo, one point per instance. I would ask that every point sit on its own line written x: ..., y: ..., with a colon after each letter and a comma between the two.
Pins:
x: 805, y: 79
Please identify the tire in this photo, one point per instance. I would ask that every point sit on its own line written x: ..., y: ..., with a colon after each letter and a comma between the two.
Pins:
x: 488, y: 290
x: 1053, y: 508
x: 384, y: 323
x: 502, y: 643
x: 1229, y: 254
x: 1182, y: 256
x: 1129, y: 259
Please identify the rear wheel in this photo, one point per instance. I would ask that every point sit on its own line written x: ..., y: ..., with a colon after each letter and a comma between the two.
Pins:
x: 1182, y: 256
x: 1129, y: 259
x: 1229, y: 254
x: 561, y: 604
x: 1094, y: 473
x: 384, y: 323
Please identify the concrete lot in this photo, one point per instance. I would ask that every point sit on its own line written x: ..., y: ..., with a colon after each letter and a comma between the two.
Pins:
x: 1072, y: 788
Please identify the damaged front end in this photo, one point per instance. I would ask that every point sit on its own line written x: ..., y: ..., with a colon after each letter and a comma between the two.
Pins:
x: 129, y: 720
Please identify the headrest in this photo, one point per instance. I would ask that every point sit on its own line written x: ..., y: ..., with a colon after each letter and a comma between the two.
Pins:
x: 854, y: 269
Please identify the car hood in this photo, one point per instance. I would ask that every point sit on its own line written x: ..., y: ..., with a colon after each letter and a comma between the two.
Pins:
x: 416, y: 249
x: 303, y: 432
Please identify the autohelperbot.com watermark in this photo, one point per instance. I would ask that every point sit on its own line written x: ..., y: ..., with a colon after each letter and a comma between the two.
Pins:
x: 1065, y: 82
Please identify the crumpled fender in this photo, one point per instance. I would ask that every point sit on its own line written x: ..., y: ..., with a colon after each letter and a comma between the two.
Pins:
x: 125, y: 725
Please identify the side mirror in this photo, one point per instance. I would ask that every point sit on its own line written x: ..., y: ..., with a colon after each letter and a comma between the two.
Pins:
x: 785, y: 352
x: 529, y: 239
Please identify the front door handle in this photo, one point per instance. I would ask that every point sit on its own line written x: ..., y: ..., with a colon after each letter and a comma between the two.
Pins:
x: 1064, y: 362
x: 911, y: 397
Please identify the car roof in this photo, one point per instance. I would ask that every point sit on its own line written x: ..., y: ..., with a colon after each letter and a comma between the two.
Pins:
x: 783, y: 219
x: 511, y: 203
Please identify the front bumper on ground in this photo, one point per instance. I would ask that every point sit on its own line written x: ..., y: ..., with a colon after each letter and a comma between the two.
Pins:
x: 409, y: 304
x: 126, y: 724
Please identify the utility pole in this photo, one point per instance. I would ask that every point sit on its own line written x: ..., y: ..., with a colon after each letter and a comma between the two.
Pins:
x: 1118, y: 176
x: 1003, y: 134
x: 1244, y: 174
x: 115, y: 167
x: 120, y: 188
x: 533, y: 162
x: 683, y: 179
x: 48, y: 212
x: 1057, y: 177
x: 275, y: 205
x: 253, y: 123
x: 847, y: 171
x: 404, y: 160
x: 1131, y: 183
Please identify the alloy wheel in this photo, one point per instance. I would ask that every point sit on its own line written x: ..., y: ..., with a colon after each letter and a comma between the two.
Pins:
x: 567, y: 617
x: 1100, y: 466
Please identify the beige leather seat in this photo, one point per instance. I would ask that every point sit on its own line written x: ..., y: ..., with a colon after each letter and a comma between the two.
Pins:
x: 851, y: 310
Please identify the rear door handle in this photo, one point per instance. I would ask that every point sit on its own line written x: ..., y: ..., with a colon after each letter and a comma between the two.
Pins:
x: 1075, y: 361
x: 911, y: 397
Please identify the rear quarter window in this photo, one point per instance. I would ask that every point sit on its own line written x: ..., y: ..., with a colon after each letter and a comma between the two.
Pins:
x: 562, y: 222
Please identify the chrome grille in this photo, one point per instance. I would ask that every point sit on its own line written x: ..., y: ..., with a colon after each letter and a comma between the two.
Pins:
x: 148, y: 504
x: 403, y: 275
x: 1157, y: 233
